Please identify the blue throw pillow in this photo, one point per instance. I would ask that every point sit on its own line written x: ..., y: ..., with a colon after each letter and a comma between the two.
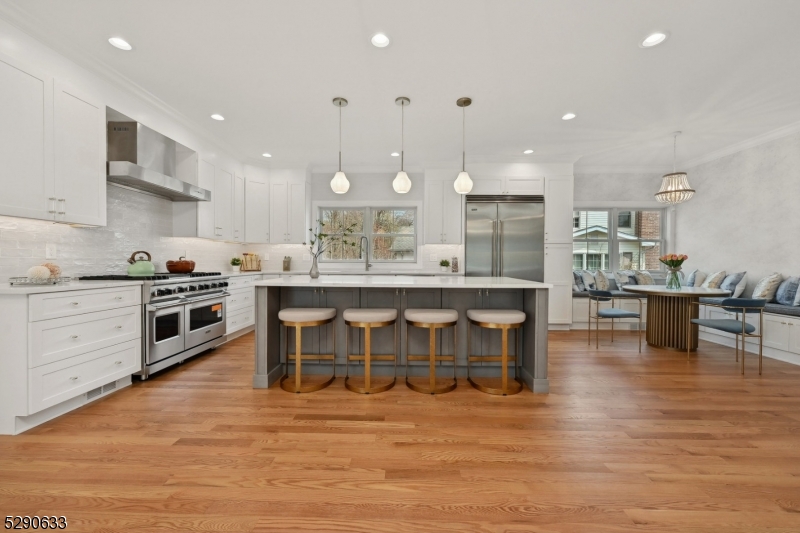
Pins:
x: 578, y: 280
x: 787, y: 291
x: 732, y: 282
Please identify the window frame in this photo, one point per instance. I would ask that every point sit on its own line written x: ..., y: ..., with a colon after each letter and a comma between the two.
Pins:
x: 369, y: 209
x: 613, y: 240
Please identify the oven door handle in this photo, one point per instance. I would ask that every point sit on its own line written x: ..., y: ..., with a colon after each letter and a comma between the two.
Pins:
x: 156, y: 307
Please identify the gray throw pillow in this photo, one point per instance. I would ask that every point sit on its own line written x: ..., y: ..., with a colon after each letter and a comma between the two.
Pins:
x: 578, y: 279
x: 696, y: 278
x: 734, y: 283
x: 787, y: 291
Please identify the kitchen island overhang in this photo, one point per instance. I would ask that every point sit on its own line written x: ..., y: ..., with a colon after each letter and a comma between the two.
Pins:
x: 402, y: 292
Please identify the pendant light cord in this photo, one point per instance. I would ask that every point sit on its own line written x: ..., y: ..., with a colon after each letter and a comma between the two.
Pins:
x: 463, y: 138
x: 340, y: 137
x: 674, y: 151
x: 402, y: 133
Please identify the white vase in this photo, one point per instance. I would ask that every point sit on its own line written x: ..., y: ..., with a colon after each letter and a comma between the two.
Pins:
x: 444, y: 269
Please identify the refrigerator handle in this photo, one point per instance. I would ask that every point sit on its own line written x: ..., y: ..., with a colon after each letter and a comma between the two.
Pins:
x: 500, y: 252
x: 494, y: 247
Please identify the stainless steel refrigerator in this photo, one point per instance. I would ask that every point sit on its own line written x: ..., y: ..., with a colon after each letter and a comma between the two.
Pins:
x: 505, y: 237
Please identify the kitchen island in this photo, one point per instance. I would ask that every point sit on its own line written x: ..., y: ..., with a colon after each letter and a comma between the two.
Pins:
x: 401, y: 293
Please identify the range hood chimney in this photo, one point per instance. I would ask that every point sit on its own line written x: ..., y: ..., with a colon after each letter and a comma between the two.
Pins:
x: 143, y: 159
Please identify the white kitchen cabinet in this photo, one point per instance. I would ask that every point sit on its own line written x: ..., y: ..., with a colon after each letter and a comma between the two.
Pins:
x: 512, y: 185
x: 26, y: 157
x: 558, y: 210
x: 223, y: 205
x: 558, y: 263
x: 560, y: 303
x: 238, y: 208
x: 443, y: 213
x: 287, y: 212
x: 776, y: 332
x: 256, y: 210
x: 80, y: 154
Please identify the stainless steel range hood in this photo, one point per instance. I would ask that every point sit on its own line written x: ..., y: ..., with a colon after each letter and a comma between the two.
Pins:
x: 143, y: 159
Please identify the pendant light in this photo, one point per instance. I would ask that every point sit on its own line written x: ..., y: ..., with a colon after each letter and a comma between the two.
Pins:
x: 463, y: 183
x: 675, y: 187
x: 339, y: 183
x: 401, y: 182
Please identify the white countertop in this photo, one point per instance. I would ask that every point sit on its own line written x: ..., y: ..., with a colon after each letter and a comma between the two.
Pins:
x: 304, y: 272
x: 7, y: 288
x: 408, y: 282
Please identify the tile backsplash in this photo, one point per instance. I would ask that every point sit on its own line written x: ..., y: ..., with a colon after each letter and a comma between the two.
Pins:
x: 135, y: 222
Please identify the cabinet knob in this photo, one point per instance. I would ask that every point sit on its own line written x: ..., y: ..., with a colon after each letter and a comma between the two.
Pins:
x: 74, y: 378
x: 118, y: 297
x: 74, y: 336
x: 118, y: 327
x: 117, y: 362
x: 75, y: 303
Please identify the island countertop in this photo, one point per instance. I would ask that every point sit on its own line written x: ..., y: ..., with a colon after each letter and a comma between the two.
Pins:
x: 404, y: 282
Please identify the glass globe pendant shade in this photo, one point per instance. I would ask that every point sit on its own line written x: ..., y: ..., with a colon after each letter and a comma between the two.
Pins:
x: 463, y: 183
x: 401, y: 183
x: 674, y: 189
x: 339, y: 183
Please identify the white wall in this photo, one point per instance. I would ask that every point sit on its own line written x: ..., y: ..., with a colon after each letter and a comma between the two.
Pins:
x: 596, y: 187
x: 745, y: 214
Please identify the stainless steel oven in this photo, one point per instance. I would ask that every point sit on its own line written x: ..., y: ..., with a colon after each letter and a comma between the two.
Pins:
x: 204, y: 321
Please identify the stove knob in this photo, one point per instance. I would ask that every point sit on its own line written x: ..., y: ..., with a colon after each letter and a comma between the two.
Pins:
x: 204, y: 286
x: 213, y: 285
x: 160, y: 292
x: 167, y: 291
x: 153, y: 294
x: 192, y: 288
x: 180, y: 289
x: 223, y: 284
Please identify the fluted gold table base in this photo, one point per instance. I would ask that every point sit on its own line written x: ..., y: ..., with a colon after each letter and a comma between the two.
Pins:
x: 668, y: 322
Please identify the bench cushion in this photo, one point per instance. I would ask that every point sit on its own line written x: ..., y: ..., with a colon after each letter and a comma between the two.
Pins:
x: 615, y: 294
x: 773, y: 308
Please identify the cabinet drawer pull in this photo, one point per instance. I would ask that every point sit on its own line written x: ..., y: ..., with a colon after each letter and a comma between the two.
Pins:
x: 74, y: 378
x: 75, y: 303
x: 74, y: 336
x: 118, y: 327
x: 118, y: 297
x: 117, y: 362
x: 233, y: 322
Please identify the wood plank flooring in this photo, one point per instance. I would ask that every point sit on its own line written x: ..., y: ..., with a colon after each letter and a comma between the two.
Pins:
x: 624, y: 442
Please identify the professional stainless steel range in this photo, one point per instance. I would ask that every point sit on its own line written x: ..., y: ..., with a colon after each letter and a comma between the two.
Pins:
x: 183, y: 315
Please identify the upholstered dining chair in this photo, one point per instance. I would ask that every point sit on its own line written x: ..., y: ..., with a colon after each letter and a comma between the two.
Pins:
x: 612, y: 313
x: 739, y: 328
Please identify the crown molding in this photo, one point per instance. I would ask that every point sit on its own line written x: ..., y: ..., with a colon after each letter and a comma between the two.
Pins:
x: 764, y: 138
x: 618, y: 170
x: 23, y: 21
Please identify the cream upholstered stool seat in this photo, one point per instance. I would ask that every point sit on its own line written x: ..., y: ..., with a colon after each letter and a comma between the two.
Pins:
x: 432, y: 319
x: 368, y: 319
x: 299, y: 318
x: 504, y: 320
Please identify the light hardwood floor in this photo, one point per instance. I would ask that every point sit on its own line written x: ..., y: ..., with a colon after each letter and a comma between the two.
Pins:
x: 624, y: 442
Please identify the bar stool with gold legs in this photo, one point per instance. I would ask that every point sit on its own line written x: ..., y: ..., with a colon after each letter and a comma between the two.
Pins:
x: 432, y: 319
x: 504, y: 320
x: 368, y: 319
x: 299, y: 318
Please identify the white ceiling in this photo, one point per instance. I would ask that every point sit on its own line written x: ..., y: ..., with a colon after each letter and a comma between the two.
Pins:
x: 730, y: 71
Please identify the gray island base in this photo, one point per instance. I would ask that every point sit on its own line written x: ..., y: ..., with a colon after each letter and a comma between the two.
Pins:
x: 401, y: 293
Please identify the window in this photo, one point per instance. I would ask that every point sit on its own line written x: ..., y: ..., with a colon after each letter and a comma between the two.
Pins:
x: 624, y: 219
x: 392, y: 233
x: 636, y: 239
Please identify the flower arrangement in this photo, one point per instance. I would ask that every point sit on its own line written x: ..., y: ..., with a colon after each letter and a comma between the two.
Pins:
x: 673, y: 263
x: 319, y: 243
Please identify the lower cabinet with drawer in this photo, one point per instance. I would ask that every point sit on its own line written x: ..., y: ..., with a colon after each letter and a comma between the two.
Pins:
x: 64, y: 348
x: 241, y: 319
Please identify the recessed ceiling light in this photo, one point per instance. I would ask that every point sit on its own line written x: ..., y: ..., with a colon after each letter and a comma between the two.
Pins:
x: 120, y: 43
x: 526, y: 152
x: 653, y: 39
x: 568, y: 116
x: 266, y: 154
x: 381, y: 40
x: 395, y: 154
x: 217, y: 116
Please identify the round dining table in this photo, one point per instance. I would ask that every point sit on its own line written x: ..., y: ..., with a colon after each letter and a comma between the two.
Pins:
x: 669, y: 312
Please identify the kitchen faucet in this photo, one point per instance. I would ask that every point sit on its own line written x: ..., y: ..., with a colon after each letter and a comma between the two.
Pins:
x: 367, y: 264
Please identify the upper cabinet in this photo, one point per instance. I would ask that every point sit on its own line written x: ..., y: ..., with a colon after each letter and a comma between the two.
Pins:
x: 223, y: 205
x: 512, y: 185
x: 443, y: 213
x: 257, y: 210
x: 238, y: 208
x: 288, y: 212
x: 52, y: 148
x: 558, y: 210
x: 80, y: 153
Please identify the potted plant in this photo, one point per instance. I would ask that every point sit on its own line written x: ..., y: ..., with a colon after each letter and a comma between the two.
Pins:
x: 319, y: 243
x: 236, y: 263
x: 444, y: 264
